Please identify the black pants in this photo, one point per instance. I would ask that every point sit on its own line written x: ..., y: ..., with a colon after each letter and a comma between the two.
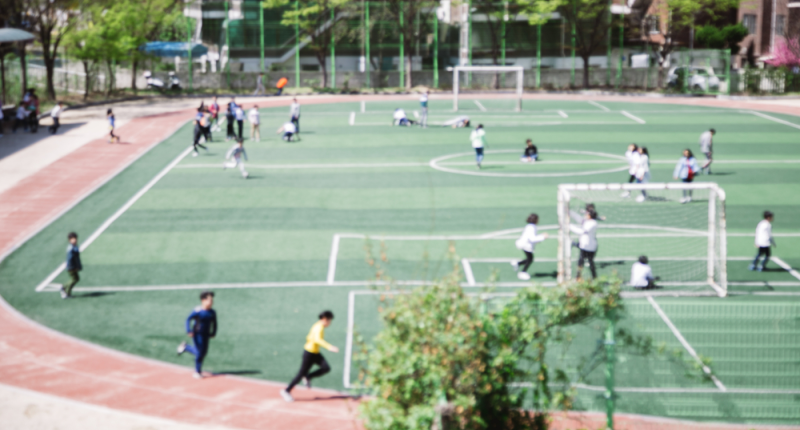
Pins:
x: 54, y: 127
x: 310, y: 359
x: 207, y: 133
x: 240, y: 124
x: 229, y: 120
x: 587, y: 255
x: 631, y: 179
x: 526, y: 263
x: 198, y: 131
x: 33, y: 121
x: 764, y: 251
x: 296, y: 122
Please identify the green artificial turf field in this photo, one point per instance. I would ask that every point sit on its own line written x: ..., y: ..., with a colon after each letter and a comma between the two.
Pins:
x: 264, y: 244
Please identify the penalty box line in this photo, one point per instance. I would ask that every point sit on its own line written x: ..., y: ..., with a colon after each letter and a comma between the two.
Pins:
x: 49, y: 279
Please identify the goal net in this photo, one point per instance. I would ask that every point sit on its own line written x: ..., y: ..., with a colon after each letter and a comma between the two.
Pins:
x: 465, y: 72
x: 683, y: 241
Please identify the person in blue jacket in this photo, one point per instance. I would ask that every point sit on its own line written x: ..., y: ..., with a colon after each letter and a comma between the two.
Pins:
x: 73, y: 265
x: 201, y: 332
x: 685, y: 170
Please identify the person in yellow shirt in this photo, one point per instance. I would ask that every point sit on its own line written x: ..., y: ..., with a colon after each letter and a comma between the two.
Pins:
x: 311, y: 355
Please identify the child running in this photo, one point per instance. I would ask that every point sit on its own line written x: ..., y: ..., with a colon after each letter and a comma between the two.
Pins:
x: 685, y: 170
x: 642, y: 275
x: 201, y: 332
x: 236, y: 152
x: 587, y: 243
x: 706, y: 147
x: 111, y: 123
x: 311, y: 355
x: 632, y: 155
x: 198, y: 132
x: 527, y: 244
x: 764, y: 241
x: 423, y: 107
x: 478, y: 139
x: 531, y: 154
x: 73, y: 265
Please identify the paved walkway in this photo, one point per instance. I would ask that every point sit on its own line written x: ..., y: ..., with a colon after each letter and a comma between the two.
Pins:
x: 105, y: 378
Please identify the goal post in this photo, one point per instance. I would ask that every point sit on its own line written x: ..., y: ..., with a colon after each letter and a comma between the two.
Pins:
x: 684, y: 241
x: 488, y: 69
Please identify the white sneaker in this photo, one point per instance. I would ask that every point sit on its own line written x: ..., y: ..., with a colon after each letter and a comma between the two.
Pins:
x: 306, y: 382
x: 63, y: 292
x: 198, y: 375
x: 287, y: 396
x: 523, y: 276
x: 640, y: 199
x: 688, y: 199
x: 194, y: 154
x: 515, y: 265
x: 625, y: 194
x: 182, y: 348
x: 245, y: 175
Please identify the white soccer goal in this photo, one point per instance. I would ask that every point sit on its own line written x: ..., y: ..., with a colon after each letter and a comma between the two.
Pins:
x: 487, y: 69
x: 684, y: 242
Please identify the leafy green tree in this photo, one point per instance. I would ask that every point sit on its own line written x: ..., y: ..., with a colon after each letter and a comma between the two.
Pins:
x: 86, y: 43
x: 51, y: 20
x: 313, y: 18
x: 414, y: 25
x: 590, y: 18
x: 721, y: 38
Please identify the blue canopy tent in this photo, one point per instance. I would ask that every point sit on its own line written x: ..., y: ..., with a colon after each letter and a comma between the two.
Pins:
x: 173, y: 49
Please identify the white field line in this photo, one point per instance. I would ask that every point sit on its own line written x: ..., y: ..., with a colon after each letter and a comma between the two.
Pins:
x: 115, y: 216
x: 633, y: 117
x: 563, y: 114
x: 468, y: 271
x: 352, y: 118
x: 685, y: 344
x: 332, y: 259
x: 309, y: 166
x: 363, y: 106
x: 480, y: 106
x: 786, y: 267
x: 348, y: 347
x: 772, y: 118
x: 594, y: 103
x: 672, y: 390
x: 523, y: 124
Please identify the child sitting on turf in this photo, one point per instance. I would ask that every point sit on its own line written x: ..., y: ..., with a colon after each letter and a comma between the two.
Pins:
x: 288, y: 129
x: 642, y: 275
x: 457, y: 122
x: 236, y: 152
x: 400, y: 118
x: 201, y: 332
x: 531, y: 154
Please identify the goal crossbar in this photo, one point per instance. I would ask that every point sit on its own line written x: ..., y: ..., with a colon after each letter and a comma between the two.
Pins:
x: 492, y: 69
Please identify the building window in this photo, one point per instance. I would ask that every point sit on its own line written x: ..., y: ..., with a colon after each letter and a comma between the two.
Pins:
x: 652, y: 24
x: 749, y: 21
x: 780, y: 24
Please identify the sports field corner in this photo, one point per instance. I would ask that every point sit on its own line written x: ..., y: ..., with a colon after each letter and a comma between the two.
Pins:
x: 157, y: 226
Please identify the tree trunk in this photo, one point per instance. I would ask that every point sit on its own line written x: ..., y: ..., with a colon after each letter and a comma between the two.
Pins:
x: 324, y: 68
x: 49, y: 66
x: 134, y: 63
x: 88, y: 80
x: 585, y: 71
x: 3, y: 76
x: 24, y: 66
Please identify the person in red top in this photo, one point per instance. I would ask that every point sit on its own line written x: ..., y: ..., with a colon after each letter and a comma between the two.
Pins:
x: 214, y: 110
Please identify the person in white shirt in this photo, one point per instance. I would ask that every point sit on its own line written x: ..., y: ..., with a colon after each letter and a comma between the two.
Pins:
x: 255, y: 121
x: 21, y: 119
x: 632, y: 155
x: 288, y: 131
x: 706, y: 147
x: 55, y: 114
x: 587, y: 242
x: 642, y: 171
x: 478, y: 139
x: 527, y: 244
x: 457, y: 122
x: 294, y: 113
x: 423, y: 104
x: 235, y: 154
x: 764, y: 241
x: 400, y: 118
x: 642, y: 275
x: 239, y: 112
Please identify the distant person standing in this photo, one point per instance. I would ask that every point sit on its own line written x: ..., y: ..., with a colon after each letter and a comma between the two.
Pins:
x: 764, y: 241
x: 311, y: 355
x: 213, y: 108
x: 111, y: 124
x: 198, y: 132
x: 686, y: 170
x: 281, y: 83
x: 294, y: 113
x: 707, y: 148
x: 230, y: 118
x: 423, y: 105
x: 55, y: 114
x: 73, y: 265
x: 478, y: 139
x: 20, y: 119
x: 239, y: 113
x: 259, y: 85
x: 255, y: 122
x: 201, y: 332
x: 1, y: 119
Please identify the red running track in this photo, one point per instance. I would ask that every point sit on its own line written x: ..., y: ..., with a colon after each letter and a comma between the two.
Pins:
x: 104, y: 377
